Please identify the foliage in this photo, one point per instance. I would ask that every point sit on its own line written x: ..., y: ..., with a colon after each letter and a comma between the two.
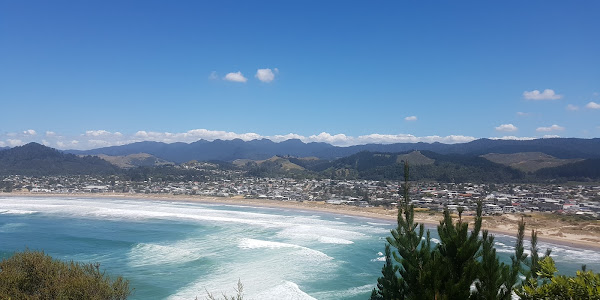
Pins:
x: 584, y: 285
x: 239, y: 293
x: 38, y: 160
x: 450, y: 269
x: 164, y: 173
x: 585, y: 170
x: 36, y: 275
x: 466, y: 266
x: 387, y: 285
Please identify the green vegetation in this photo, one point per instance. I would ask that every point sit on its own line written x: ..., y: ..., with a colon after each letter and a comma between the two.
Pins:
x: 239, y: 294
x: 38, y: 160
x: 36, y: 275
x: 464, y: 265
x: 584, y: 171
x: 528, y: 161
x: 584, y: 285
x: 528, y: 167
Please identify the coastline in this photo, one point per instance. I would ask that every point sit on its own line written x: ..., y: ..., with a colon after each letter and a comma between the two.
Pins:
x: 506, y: 225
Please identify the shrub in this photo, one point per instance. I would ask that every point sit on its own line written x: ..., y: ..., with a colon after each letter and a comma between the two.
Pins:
x: 36, y: 275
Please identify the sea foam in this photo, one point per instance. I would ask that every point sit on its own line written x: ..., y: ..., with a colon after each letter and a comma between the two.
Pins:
x: 153, y: 254
x: 287, y: 290
x: 303, y: 251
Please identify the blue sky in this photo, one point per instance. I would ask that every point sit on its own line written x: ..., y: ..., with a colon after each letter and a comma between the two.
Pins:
x: 84, y: 74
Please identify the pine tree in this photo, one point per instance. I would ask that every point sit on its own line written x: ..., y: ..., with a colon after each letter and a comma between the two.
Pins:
x: 460, y: 261
x: 406, y: 238
x: 387, y: 285
x: 459, y: 250
x: 491, y: 282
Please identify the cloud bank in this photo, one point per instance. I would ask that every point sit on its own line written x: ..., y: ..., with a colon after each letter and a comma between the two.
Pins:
x: 102, y: 138
x: 91, y: 139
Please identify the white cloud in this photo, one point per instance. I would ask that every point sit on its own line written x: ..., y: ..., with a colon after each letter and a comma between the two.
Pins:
x: 507, y: 128
x: 99, y: 138
x: 550, y: 128
x: 375, y: 138
x: 236, y: 77
x: 550, y: 136
x: 411, y: 118
x: 593, y: 105
x: 50, y: 133
x: 96, y: 133
x: 572, y: 107
x: 285, y: 137
x: 266, y: 75
x: 29, y: 132
x: 336, y: 139
x: 547, y: 94
x: 2, y: 144
x: 14, y: 142
x: 522, y: 114
x: 213, y: 75
x: 193, y: 135
x: 512, y: 137
x: 94, y: 143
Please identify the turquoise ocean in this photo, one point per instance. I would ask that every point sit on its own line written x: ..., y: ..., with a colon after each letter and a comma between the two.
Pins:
x: 179, y: 250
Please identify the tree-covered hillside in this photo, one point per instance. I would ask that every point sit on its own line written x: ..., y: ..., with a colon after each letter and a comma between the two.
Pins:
x: 36, y: 159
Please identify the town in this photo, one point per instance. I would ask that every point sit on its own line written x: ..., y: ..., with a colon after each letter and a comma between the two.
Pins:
x: 579, y: 200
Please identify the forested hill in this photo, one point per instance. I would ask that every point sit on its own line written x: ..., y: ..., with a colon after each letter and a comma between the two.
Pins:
x: 230, y: 150
x: 427, y: 165
x: 578, y: 171
x: 36, y: 159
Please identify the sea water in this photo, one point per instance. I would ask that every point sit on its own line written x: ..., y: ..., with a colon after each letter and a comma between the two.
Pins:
x: 180, y: 250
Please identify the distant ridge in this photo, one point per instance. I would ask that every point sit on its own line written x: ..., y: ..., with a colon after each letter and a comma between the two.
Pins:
x: 134, y: 160
x: 36, y: 159
x: 230, y: 150
x: 528, y: 161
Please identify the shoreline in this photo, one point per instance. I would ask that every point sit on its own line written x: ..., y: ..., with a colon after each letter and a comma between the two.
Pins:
x: 496, y: 225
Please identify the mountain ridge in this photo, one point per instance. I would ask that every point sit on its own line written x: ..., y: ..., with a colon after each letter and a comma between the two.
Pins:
x: 37, y: 159
x: 230, y: 150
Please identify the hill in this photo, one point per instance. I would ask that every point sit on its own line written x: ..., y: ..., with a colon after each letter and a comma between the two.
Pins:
x: 230, y: 150
x: 134, y: 160
x: 585, y: 170
x: 416, y: 158
x: 431, y: 166
x: 216, y: 150
x: 36, y: 159
x: 528, y: 161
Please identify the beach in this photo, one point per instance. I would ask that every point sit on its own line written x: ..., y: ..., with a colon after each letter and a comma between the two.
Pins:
x: 551, y: 228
